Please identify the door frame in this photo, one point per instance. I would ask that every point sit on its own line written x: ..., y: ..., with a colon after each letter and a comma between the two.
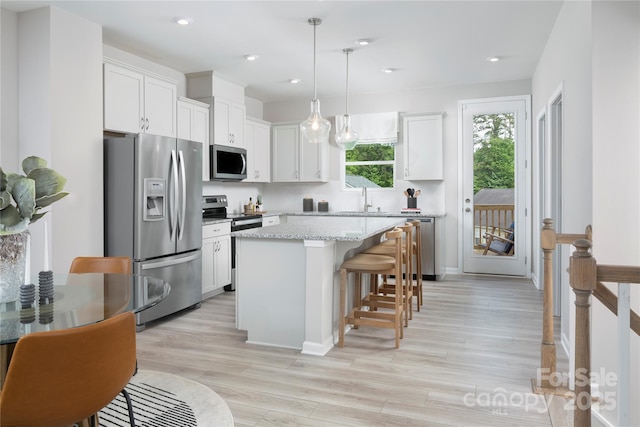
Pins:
x: 526, y: 229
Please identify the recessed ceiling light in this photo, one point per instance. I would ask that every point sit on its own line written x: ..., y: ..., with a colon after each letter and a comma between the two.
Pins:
x: 387, y: 70
x: 251, y: 57
x: 294, y: 81
x: 493, y: 59
x: 183, y: 21
x: 363, y: 42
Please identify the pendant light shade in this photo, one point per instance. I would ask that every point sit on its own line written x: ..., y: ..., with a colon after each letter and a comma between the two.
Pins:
x: 347, y: 138
x: 315, y: 128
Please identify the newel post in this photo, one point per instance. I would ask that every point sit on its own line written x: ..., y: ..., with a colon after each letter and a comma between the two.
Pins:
x: 548, y: 346
x: 583, y: 278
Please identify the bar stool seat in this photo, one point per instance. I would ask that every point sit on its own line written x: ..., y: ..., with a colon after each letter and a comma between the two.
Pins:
x: 417, y: 265
x: 387, y: 288
x: 391, y: 307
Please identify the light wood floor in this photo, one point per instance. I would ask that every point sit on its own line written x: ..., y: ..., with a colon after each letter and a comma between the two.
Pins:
x: 466, y: 359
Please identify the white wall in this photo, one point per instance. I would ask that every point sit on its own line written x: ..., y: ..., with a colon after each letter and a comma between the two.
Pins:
x: 436, y: 196
x: 616, y: 176
x: 60, y: 119
x: 566, y: 62
x: 9, y: 156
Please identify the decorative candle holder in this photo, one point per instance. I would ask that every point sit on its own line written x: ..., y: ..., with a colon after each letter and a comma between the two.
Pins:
x: 46, y: 313
x: 27, y: 295
x: 45, y: 288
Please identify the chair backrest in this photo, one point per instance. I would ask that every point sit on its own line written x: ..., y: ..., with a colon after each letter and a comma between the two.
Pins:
x: 60, y: 377
x: 114, y: 264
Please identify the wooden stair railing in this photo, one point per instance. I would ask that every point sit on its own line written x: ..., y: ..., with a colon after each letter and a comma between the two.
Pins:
x: 549, y: 240
x: 586, y: 277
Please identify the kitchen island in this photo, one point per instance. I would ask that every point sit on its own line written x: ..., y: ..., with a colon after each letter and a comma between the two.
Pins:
x: 288, y: 278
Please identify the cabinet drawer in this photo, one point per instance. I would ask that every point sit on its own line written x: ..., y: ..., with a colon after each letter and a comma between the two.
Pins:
x: 215, y: 230
x: 270, y: 220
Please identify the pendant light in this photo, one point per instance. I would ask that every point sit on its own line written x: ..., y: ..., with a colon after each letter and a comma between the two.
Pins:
x: 315, y: 128
x: 347, y: 138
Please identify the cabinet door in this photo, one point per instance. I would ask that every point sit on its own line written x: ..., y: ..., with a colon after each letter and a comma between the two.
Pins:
x: 221, y: 117
x: 257, y: 138
x: 222, y: 268
x: 160, y: 107
x: 200, y: 125
x: 285, y: 144
x: 262, y: 152
x: 422, y: 140
x: 184, y: 120
x: 208, y: 255
x: 123, y: 97
x: 312, y: 161
x: 236, y: 124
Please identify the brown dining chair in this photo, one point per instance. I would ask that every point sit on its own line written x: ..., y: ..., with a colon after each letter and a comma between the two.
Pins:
x: 116, y: 296
x: 57, y: 378
x: 89, y: 264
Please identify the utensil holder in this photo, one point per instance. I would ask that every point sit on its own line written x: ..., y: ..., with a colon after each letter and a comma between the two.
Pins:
x: 412, y: 202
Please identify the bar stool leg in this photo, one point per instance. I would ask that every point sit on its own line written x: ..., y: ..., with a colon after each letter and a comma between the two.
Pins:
x: 343, y: 303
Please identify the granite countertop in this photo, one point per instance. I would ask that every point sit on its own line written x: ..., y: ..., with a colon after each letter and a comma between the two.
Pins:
x: 323, y: 228
x: 360, y: 214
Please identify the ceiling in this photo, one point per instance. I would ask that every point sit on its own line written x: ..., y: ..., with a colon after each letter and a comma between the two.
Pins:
x: 427, y: 43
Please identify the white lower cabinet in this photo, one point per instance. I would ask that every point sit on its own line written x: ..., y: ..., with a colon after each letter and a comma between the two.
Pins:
x: 216, y: 257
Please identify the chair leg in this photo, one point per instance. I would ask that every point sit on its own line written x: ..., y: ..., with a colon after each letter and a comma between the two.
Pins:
x: 343, y: 302
x: 132, y: 420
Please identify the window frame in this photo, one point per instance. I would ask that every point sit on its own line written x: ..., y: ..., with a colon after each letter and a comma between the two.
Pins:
x: 393, y: 163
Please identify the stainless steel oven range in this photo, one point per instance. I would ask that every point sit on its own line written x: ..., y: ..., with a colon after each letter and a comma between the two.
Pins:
x: 215, y: 207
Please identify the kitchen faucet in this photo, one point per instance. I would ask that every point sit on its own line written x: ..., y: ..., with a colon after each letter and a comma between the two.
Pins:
x: 366, y: 204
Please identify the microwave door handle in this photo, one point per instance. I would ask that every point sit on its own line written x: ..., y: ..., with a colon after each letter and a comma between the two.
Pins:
x: 244, y: 164
x: 183, y: 206
x: 173, y: 212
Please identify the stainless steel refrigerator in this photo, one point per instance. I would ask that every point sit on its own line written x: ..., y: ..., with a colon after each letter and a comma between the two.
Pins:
x: 153, y: 214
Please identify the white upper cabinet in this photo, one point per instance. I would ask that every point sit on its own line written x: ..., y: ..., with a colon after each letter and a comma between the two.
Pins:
x: 135, y: 102
x: 228, y: 122
x: 294, y: 158
x: 422, y: 146
x: 257, y: 138
x: 193, y: 124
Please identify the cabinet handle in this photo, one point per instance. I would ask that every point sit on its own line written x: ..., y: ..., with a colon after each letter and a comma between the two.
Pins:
x: 141, y: 123
x: 147, y: 128
x: 406, y: 172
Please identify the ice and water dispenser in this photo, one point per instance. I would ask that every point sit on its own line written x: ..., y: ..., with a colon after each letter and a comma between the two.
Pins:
x: 155, y: 199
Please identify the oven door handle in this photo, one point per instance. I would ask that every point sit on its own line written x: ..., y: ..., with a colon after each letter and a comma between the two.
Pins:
x: 244, y: 222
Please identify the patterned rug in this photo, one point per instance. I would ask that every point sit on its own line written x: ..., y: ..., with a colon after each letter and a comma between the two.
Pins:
x: 166, y: 400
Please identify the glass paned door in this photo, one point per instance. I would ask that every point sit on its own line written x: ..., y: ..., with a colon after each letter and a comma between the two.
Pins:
x: 494, y: 147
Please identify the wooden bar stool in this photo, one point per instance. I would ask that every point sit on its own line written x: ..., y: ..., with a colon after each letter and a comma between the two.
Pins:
x: 387, y: 288
x: 390, y: 314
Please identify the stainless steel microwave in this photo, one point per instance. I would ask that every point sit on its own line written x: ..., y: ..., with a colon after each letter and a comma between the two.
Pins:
x: 227, y: 163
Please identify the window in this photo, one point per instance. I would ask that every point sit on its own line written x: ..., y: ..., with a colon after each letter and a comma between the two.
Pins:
x: 370, y: 165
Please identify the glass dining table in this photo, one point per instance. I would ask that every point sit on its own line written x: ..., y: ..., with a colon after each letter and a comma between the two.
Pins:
x: 74, y: 300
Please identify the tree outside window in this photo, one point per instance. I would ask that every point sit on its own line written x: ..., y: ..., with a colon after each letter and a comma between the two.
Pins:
x: 370, y: 165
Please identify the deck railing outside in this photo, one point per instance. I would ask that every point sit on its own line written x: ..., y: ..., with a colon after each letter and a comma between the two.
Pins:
x: 491, y: 219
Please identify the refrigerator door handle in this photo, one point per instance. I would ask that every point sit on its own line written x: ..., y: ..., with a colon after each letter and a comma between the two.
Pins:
x: 173, y: 212
x: 183, y: 204
x: 161, y: 264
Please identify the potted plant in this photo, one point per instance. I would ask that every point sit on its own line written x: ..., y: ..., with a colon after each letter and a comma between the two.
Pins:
x: 21, y: 199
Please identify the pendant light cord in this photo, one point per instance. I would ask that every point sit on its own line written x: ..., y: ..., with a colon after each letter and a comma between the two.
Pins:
x: 347, y: 52
x: 315, y: 25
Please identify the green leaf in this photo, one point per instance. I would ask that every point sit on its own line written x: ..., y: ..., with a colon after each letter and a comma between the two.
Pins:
x: 24, y: 194
x: 45, y: 201
x: 3, y: 180
x: 10, y: 216
x: 5, y: 199
x: 11, y: 227
x: 33, y: 162
x: 48, y: 181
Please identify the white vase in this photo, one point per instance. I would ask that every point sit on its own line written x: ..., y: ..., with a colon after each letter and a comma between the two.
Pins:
x: 14, y: 250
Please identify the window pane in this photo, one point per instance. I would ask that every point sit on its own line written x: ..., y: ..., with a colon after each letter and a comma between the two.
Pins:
x: 376, y: 176
x: 370, y: 152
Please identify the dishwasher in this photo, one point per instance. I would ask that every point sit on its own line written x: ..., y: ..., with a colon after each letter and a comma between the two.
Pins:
x: 428, y: 245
